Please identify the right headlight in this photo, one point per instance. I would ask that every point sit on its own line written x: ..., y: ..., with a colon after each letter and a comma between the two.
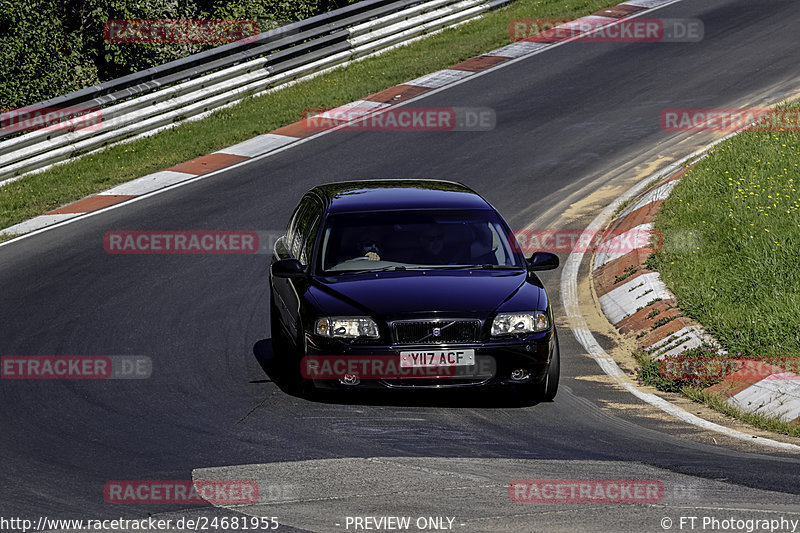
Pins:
x: 520, y: 323
x: 347, y: 327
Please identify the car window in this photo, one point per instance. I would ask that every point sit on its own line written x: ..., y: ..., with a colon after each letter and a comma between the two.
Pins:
x: 307, y: 228
x: 415, y: 239
x: 293, y: 237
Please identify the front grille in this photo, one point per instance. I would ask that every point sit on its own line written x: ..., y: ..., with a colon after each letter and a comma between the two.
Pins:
x: 425, y: 331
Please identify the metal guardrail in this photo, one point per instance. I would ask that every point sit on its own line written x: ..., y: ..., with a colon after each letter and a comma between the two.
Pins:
x: 146, y: 102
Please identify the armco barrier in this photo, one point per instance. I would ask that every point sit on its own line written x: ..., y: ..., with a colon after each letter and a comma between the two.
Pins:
x: 145, y: 102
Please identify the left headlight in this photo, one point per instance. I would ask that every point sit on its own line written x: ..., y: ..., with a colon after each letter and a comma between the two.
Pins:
x: 516, y: 323
x: 347, y: 327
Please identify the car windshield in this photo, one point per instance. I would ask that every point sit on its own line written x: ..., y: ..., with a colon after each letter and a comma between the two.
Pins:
x: 397, y: 240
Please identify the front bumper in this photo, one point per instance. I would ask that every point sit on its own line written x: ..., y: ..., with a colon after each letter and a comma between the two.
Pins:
x: 494, y: 363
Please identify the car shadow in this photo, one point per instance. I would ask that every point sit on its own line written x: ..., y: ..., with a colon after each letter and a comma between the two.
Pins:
x: 490, y: 398
x: 441, y: 398
x: 265, y: 356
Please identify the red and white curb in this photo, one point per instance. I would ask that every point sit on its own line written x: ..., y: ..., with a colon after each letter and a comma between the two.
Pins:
x: 774, y: 392
x: 634, y: 298
x: 579, y: 325
x: 292, y: 133
x: 638, y: 303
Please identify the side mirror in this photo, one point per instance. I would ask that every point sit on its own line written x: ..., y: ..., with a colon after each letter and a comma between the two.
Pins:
x: 542, y: 261
x: 288, y: 268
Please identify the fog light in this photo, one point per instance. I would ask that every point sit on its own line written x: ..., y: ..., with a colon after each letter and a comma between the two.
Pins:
x: 520, y: 375
x: 350, y: 379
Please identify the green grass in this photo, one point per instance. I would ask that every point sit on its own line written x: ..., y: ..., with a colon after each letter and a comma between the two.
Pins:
x: 649, y: 372
x: 741, y: 281
x: 39, y: 193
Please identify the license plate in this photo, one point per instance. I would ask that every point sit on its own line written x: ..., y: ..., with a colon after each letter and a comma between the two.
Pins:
x: 437, y: 358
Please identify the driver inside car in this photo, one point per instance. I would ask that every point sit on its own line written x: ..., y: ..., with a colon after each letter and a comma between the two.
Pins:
x: 369, y: 246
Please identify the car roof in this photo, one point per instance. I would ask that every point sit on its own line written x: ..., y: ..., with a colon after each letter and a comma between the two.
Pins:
x: 385, y: 195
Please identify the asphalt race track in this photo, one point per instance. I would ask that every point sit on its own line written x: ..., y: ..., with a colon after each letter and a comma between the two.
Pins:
x: 576, y: 126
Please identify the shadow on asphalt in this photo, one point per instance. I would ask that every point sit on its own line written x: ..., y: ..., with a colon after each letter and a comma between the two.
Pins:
x: 488, y: 398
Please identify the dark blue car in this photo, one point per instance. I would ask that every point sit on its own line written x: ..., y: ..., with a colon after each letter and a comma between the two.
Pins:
x: 409, y: 284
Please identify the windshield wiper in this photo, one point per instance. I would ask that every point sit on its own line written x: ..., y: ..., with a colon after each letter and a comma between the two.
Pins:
x: 391, y: 268
x: 395, y: 268
x: 477, y: 267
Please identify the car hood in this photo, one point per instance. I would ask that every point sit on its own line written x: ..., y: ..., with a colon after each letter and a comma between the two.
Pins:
x: 393, y: 294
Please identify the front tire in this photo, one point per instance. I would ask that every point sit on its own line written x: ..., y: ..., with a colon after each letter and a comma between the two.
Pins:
x: 548, y: 388
x: 287, y: 357
x: 545, y: 390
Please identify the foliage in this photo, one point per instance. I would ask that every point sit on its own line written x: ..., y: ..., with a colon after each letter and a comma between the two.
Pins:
x: 49, y: 48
